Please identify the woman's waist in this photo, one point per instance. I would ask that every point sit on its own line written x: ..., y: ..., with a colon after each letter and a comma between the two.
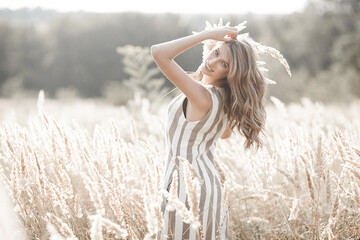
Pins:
x: 202, y: 165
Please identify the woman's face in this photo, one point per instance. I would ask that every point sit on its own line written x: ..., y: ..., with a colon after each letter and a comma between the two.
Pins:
x: 216, y: 64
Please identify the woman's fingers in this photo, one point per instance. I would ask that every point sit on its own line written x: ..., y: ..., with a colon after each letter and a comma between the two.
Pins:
x: 233, y: 32
x: 225, y: 34
x: 231, y: 36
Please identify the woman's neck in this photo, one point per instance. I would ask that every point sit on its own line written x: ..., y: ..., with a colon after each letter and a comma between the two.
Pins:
x: 207, y: 81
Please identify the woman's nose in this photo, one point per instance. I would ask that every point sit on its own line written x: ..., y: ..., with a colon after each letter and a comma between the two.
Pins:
x: 212, y: 61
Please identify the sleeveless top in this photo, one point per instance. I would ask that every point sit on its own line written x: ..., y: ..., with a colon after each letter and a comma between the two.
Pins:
x: 195, y: 141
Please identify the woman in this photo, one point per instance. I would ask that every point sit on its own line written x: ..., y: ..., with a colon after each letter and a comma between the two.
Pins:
x: 230, y: 93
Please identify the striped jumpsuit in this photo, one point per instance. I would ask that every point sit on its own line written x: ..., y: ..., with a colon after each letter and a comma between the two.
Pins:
x: 196, y: 142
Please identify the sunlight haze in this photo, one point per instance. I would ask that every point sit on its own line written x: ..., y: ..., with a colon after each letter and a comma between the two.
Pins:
x: 161, y: 6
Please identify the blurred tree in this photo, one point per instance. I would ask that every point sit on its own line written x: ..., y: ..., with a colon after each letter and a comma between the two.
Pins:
x: 29, y: 50
x: 67, y: 94
x: 347, y: 47
x: 5, y: 45
x: 137, y: 64
x: 83, y: 46
x: 116, y: 92
x: 21, y: 53
x: 345, y: 53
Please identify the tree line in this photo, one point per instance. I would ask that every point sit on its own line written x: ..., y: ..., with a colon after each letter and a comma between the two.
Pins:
x: 51, y: 51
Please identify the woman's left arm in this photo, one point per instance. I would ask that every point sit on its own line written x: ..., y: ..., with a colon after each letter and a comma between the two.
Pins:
x: 169, y: 50
x: 164, y: 53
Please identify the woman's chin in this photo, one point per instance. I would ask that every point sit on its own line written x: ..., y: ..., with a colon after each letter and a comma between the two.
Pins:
x: 205, y: 71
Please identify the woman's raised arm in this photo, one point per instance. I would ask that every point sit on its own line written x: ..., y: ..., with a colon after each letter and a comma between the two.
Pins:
x: 164, y: 53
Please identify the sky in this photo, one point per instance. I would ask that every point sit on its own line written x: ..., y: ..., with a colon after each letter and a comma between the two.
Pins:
x: 162, y: 6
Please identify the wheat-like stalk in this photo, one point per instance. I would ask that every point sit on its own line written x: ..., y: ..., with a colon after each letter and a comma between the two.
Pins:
x: 294, y: 211
x: 96, y: 227
x: 110, y: 226
x: 54, y: 235
x: 310, y: 185
x: 275, y: 54
x: 290, y: 178
x: 62, y: 226
x: 152, y: 208
x: 94, y: 195
x: 175, y: 204
x: 192, y: 191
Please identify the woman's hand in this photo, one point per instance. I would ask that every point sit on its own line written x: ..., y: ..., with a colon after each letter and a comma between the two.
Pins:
x: 225, y: 34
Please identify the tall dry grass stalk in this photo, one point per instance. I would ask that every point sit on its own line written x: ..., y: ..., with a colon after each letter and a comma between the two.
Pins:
x: 192, y: 184
x: 66, y: 181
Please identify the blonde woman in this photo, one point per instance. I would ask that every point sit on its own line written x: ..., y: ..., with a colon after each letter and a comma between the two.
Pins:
x: 226, y: 93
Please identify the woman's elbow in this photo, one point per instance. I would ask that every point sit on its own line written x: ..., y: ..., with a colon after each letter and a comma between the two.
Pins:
x: 154, y: 51
x: 225, y: 135
x: 159, y: 53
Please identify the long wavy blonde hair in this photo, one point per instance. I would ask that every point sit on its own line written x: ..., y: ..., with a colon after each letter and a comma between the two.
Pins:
x: 244, y: 91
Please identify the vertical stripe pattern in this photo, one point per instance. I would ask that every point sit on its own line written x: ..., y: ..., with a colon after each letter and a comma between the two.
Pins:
x: 196, y: 142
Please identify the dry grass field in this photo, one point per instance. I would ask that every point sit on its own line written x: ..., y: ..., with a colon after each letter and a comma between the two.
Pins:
x: 89, y: 170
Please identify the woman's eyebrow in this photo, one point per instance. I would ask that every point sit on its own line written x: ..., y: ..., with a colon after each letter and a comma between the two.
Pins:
x: 219, y: 55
